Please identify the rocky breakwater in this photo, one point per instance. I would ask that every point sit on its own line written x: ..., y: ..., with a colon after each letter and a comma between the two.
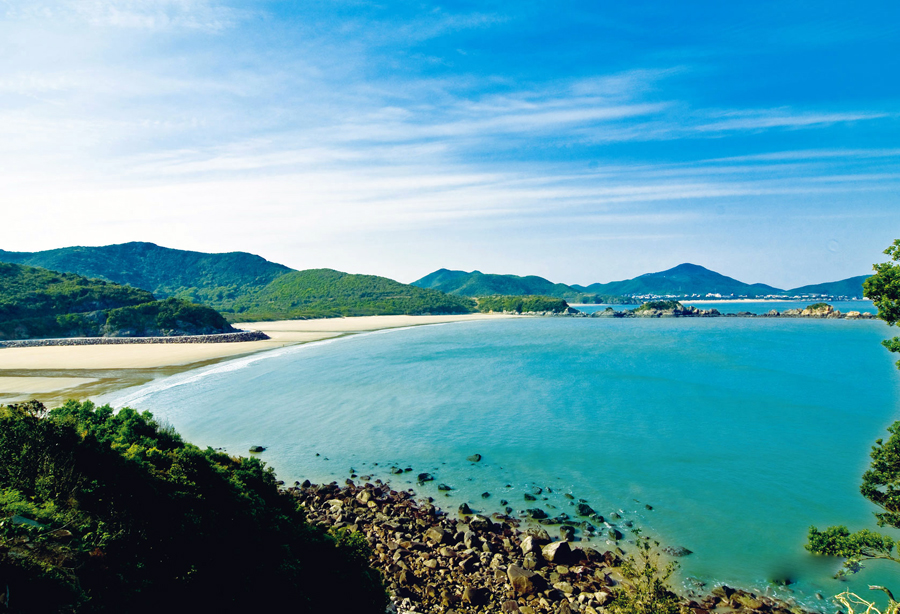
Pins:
x: 434, y: 562
x: 253, y: 335
x: 678, y: 311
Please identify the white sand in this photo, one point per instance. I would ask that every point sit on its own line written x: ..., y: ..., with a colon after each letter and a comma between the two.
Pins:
x: 30, y: 385
x: 38, y: 360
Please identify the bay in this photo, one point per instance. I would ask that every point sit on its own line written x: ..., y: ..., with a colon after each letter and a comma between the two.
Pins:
x: 739, y: 433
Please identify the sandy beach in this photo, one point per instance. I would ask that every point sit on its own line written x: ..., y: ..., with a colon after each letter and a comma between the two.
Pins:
x: 55, y: 373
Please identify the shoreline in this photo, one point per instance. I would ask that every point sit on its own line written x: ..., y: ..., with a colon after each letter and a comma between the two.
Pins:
x: 53, y: 374
x: 439, y: 562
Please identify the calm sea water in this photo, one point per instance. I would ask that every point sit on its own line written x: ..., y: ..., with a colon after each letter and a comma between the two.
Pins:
x: 739, y: 433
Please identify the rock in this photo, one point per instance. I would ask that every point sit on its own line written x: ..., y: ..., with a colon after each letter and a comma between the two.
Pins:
x: 444, y: 487
x: 529, y: 544
x: 539, y: 534
x: 557, y: 552
x: 536, y: 513
x: 424, y: 477
x: 306, y: 484
x: 257, y: 449
x: 523, y: 581
x: 615, y: 534
x: 436, y: 535
x: 481, y: 523
x: 724, y: 592
x: 530, y: 497
x: 648, y: 506
x: 532, y: 560
x: 584, y: 509
x: 474, y: 458
x: 475, y: 596
x: 677, y: 551
x: 396, y: 470
x: 510, y: 607
x: 567, y: 532
x: 564, y: 587
x: 568, y: 496
x: 485, y: 495
x: 471, y: 540
x: 464, y: 508
x: 747, y: 601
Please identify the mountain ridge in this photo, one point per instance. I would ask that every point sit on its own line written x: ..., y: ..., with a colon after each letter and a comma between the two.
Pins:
x: 685, y: 279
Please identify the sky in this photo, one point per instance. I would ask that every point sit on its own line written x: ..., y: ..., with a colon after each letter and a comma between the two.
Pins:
x: 581, y: 141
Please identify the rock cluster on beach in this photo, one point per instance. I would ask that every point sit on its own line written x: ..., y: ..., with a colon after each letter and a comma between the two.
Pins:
x: 253, y: 335
x: 433, y: 562
x: 826, y: 312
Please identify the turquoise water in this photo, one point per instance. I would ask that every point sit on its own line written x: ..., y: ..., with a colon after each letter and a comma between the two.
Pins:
x: 740, y: 433
x: 751, y: 306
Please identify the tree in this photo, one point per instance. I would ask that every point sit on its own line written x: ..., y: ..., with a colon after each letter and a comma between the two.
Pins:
x: 881, y: 483
x: 646, y: 589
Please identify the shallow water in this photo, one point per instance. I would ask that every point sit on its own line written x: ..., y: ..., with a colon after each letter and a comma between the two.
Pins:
x: 740, y: 433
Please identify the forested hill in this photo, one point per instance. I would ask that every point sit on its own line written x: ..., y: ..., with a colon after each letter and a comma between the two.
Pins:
x: 243, y: 286
x: 329, y: 293
x: 212, y: 279
x: 478, y: 284
x: 37, y: 303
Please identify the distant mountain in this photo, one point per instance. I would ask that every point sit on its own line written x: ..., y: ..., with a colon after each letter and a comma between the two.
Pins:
x: 682, y: 280
x: 211, y: 279
x: 477, y: 283
x: 240, y: 285
x: 328, y: 293
x: 38, y: 303
x: 851, y: 288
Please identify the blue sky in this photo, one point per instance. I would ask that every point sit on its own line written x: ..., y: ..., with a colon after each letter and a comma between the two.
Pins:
x: 584, y: 142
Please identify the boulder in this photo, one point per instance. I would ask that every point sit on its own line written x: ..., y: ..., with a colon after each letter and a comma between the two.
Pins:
x: 557, y: 552
x: 464, y: 508
x: 474, y: 458
x: 475, y: 596
x: 444, y: 487
x: 523, y: 581
x: 257, y: 449
x: 529, y: 544
x: 530, y: 497
x: 424, y: 477
x: 677, y: 551
x: 481, y: 523
x: 584, y: 509
x: 436, y: 535
x: 536, y: 513
x: 540, y: 535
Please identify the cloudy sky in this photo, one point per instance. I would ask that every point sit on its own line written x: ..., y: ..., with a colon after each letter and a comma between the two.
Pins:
x: 584, y: 144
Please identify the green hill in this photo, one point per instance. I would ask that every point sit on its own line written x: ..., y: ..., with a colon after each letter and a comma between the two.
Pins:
x: 212, y: 279
x: 328, y: 293
x: 243, y: 286
x: 851, y: 288
x: 478, y: 284
x: 111, y: 512
x: 37, y: 303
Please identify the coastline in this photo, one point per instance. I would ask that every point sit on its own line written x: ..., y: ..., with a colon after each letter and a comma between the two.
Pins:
x: 53, y: 374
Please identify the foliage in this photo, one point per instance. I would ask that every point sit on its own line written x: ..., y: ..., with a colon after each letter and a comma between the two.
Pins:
x: 884, y: 290
x: 646, y: 590
x: 37, y: 303
x: 477, y: 284
x: 212, y: 279
x: 660, y: 305
x: 881, y: 482
x: 318, y: 293
x: 818, y: 306
x: 521, y: 304
x: 122, y: 515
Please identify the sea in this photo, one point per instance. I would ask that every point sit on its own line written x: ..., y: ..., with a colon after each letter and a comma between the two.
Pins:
x: 729, y: 437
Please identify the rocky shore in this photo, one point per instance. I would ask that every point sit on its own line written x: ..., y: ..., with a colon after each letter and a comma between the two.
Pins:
x: 254, y: 335
x: 827, y: 313
x: 435, y: 562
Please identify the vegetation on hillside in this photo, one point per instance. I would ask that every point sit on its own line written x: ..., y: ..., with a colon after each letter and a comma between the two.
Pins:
x: 521, y: 304
x: 477, y: 284
x: 216, y: 280
x: 880, y: 482
x: 317, y: 293
x: 660, y: 306
x: 37, y: 303
x: 113, y: 512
